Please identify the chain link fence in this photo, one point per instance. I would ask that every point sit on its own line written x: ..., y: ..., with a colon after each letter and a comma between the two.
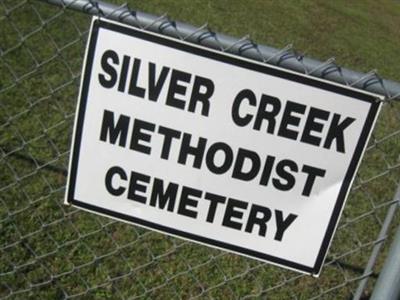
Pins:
x: 51, y: 251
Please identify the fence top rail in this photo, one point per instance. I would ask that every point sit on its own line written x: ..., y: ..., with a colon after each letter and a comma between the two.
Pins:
x: 286, y: 57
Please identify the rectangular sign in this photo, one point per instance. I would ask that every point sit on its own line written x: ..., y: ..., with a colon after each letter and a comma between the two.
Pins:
x: 214, y: 148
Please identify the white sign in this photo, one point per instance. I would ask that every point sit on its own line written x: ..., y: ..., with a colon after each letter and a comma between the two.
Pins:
x: 214, y: 148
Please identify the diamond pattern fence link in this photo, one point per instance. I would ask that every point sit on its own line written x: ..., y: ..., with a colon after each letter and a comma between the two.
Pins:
x: 51, y: 251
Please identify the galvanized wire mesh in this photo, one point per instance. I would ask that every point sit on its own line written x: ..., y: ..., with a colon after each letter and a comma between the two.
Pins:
x: 48, y: 250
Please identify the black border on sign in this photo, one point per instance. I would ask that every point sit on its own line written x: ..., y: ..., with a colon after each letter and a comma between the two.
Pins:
x: 236, y: 61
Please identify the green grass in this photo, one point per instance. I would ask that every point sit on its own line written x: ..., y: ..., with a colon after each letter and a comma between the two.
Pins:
x: 50, y: 251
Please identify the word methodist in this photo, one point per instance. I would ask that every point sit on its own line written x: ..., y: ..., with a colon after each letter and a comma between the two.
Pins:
x: 215, y: 148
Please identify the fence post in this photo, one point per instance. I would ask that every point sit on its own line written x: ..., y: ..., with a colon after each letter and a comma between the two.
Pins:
x: 388, y: 284
x: 377, y: 249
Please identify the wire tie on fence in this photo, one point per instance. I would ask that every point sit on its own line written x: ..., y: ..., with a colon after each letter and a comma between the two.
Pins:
x: 300, y: 56
x: 126, y: 13
x: 246, y: 46
x: 166, y: 23
x: 205, y: 35
x: 251, y: 45
x: 300, y: 59
x: 364, y: 77
x: 116, y: 9
x: 378, y: 79
x: 387, y: 94
x: 290, y: 53
x: 371, y: 78
x: 333, y: 67
x: 85, y: 7
x: 322, y: 65
x: 243, y: 39
x: 340, y: 70
x: 160, y: 18
x: 208, y: 34
x: 262, y: 57
x: 170, y: 23
x: 178, y: 33
x: 278, y: 53
x: 93, y: 4
x: 129, y: 12
x: 215, y: 36
x: 200, y: 29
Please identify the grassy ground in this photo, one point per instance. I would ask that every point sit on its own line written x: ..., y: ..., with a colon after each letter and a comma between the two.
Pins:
x: 51, y: 251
